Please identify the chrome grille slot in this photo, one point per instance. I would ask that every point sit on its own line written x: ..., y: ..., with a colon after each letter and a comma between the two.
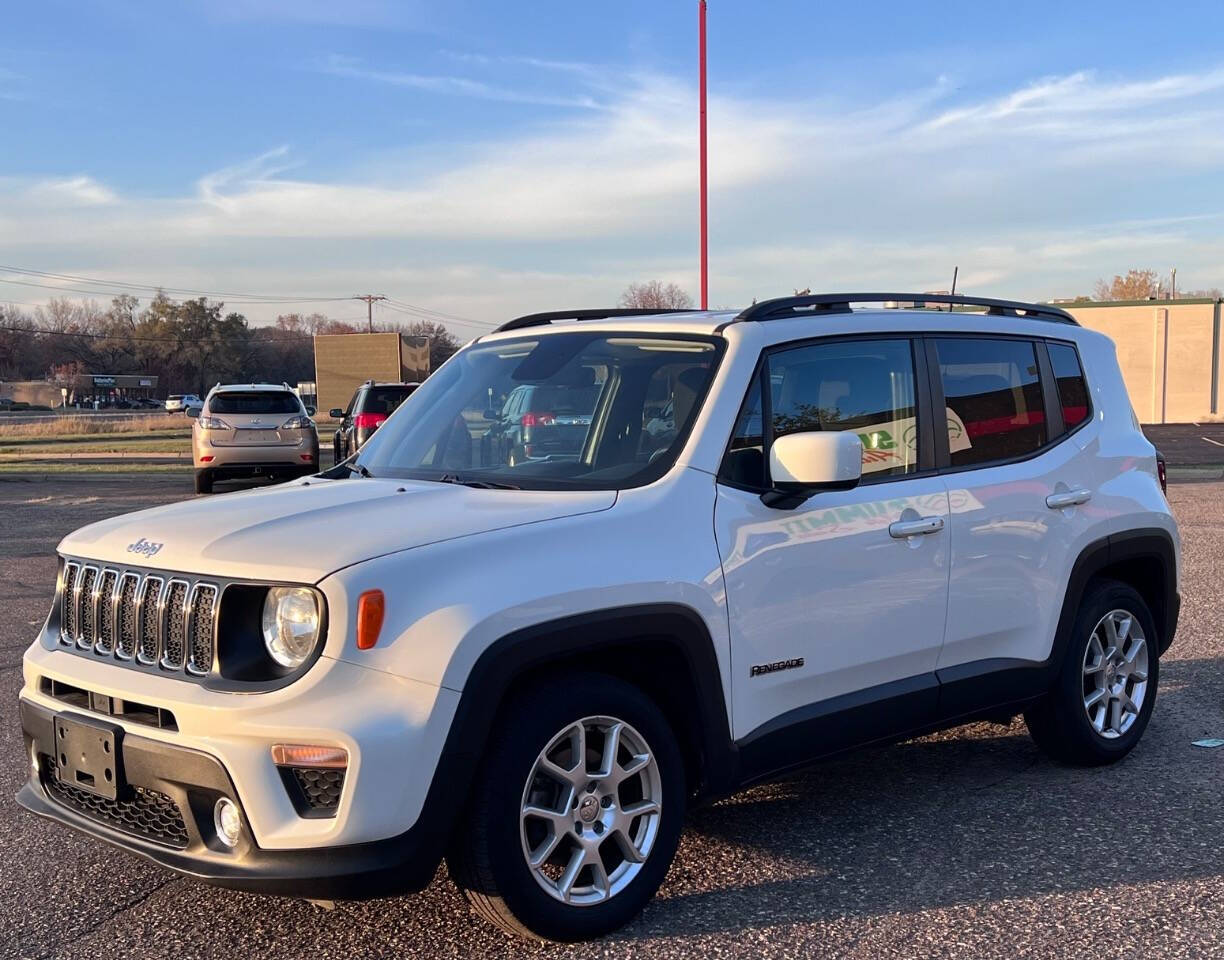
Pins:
x: 105, y: 615
x: 202, y: 623
x: 70, y: 616
x: 150, y: 620
x: 127, y: 619
x: 174, y: 625
x: 88, y: 605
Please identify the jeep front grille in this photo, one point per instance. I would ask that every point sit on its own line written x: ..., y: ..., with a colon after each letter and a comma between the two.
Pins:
x: 144, y: 619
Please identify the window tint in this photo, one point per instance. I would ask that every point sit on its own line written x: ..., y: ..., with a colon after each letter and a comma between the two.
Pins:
x: 866, y: 387
x: 993, y: 396
x: 744, y: 463
x: 1072, y: 390
x: 384, y: 400
x: 257, y: 401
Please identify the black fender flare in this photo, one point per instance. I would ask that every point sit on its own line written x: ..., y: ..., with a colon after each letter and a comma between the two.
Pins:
x: 536, y: 648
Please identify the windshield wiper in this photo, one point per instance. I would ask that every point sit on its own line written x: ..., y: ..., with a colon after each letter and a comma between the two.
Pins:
x: 358, y: 469
x: 477, y: 484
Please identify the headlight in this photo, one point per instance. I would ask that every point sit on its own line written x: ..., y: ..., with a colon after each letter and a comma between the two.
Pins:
x: 290, y: 624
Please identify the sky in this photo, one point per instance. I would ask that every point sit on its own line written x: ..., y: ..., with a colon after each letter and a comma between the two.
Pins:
x: 484, y: 159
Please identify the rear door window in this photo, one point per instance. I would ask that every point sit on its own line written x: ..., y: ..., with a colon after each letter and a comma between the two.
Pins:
x: 254, y: 402
x: 993, y: 395
x: 1069, y: 377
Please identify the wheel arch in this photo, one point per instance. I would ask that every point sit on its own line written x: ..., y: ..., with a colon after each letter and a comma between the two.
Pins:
x: 1146, y: 560
x: 665, y: 649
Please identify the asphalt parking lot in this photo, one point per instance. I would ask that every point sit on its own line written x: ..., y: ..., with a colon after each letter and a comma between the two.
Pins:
x: 966, y: 844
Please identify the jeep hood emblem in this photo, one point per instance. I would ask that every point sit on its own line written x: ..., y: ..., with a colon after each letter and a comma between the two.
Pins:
x: 144, y: 547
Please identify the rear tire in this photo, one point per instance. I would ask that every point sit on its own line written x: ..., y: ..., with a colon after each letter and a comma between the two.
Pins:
x: 203, y: 481
x: 584, y: 819
x: 1105, y: 692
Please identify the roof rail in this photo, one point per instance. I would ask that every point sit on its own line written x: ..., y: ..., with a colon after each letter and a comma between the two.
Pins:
x: 538, y: 319
x: 840, y: 303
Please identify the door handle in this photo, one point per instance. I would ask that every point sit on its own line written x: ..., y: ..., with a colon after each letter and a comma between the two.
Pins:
x: 901, y: 529
x: 1071, y: 498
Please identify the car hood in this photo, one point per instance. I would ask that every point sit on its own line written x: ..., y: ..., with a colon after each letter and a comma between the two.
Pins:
x: 304, y: 531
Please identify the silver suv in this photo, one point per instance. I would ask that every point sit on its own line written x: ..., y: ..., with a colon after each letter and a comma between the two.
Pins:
x: 252, y: 430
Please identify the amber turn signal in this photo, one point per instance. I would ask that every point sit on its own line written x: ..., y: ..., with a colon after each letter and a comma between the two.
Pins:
x: 370, y: 610
x: 309, y: 755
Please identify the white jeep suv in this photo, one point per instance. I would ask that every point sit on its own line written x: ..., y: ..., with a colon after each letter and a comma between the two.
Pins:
x: 845, y: 526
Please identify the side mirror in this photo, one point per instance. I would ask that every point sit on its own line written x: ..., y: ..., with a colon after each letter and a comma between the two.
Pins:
x: 310, y: 411
x: 193, y: 412
x: 336, y: 413
x: 492, y: 414
x: 801, y: 464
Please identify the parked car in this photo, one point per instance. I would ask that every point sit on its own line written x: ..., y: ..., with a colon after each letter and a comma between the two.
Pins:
x: 544, y: 421
x: 851, y: 525
x: 369, y: 407
x: 252, y: 430
x: 182, y: 402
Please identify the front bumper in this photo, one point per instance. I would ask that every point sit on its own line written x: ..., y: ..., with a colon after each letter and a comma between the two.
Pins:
x: 192, y: 782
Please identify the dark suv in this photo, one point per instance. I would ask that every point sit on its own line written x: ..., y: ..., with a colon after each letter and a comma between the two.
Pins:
x: 371, y: 404
x: 543, y: 421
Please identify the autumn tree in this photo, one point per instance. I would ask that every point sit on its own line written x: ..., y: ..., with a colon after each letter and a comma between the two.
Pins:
x: 1136, y: 285
x: 655, y: 295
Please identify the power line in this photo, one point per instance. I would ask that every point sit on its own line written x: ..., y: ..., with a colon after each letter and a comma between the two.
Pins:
x: 73, y: 278
x: 369, y: 299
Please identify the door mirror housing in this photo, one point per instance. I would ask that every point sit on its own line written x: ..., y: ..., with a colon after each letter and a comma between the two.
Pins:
x: 192, y: 412
x: 801, y: 464
x: 336, y: 413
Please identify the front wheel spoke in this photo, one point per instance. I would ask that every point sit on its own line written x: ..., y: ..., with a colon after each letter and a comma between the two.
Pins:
x: 599, y: 875
x: 1095, y: 667
x: 1136, y: 649
x: 628, y: 848
x: 1115, y: 714
x: 567, y: 778
x: 634, y: 766
x: 1139, y: 676
x: 1095, y: 697
x: 611, y: 749
x: 640, y: 809
x: 1111, y: 632
x: 1123, y: 630
x: 565, y: 883
x: 1098, y: 720
x: 1095, y: 648
x: 558, y: 818
x: 1127, y: 705
x: 545, y: 850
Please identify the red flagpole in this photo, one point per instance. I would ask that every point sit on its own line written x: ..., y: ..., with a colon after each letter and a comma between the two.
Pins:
x: 701, y: 68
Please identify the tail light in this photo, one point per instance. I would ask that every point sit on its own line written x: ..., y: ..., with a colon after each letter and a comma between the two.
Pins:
x: 213, y: 423
x: 538, y: 419
x: 368, y: 420
x: 296, y: 423
x: 1162, y: 475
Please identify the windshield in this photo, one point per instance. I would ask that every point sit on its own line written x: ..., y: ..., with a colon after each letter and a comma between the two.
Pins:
x: 257, y: 401
x: 562, y: 411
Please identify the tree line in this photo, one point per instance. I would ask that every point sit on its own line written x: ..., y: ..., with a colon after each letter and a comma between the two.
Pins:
x: 188, y: 344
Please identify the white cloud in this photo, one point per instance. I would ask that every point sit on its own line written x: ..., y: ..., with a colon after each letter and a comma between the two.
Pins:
x: 74, y: 191
x: 341, y: 66
x: 892, y: 193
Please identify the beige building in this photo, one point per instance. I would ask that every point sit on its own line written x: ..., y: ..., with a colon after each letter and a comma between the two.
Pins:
x: 1170, y: 354
x: 344, y: 361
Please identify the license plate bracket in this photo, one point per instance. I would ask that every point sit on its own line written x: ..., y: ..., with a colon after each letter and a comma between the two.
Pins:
x: 88, y: 755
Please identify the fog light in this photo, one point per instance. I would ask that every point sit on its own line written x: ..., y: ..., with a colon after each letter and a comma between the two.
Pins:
x: 228, y: 821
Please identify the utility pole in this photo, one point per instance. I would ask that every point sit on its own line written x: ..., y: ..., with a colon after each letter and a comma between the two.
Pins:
x: 369, y: 299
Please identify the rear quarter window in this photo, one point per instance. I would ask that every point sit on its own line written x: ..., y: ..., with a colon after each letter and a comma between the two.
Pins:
x: 1072, y: 388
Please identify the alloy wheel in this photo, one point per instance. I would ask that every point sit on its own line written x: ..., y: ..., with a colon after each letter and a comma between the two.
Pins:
x: 590, y: 811
x: 1115, y: 674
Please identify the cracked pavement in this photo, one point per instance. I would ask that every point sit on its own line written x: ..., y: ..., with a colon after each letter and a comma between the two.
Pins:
x: 967, y: 844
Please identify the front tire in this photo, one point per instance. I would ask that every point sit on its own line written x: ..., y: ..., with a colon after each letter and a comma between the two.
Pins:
x: 576, y: 811
x: 1105, y: 692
